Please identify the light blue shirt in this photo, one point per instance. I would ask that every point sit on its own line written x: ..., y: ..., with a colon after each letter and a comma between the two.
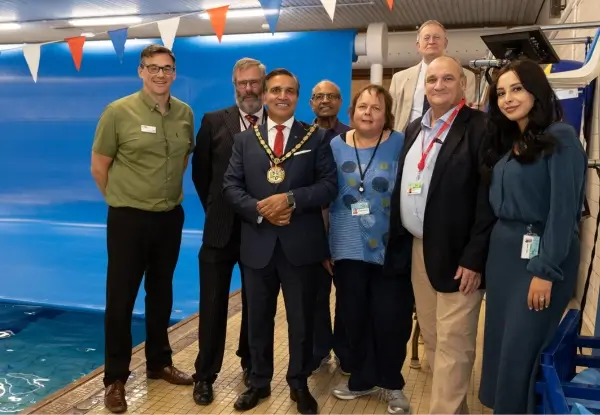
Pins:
x: 412, y: 206
x: 364, y: 237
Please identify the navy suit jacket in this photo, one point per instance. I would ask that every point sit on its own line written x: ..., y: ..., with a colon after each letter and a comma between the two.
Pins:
x: 311, y: 176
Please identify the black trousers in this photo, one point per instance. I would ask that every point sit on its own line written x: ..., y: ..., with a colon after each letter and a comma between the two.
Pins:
x: 377, y: 315
x: 327, y: 338
x: 138, y: 243
x: 299, y: 293
x: 216, y: 268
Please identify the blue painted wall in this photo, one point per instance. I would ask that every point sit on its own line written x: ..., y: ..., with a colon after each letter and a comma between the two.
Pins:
x: 52, y: 236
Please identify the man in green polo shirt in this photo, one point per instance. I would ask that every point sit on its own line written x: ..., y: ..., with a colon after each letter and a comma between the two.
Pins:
x: 139, y: 156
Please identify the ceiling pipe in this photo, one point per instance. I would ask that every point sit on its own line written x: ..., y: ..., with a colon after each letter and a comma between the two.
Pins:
x: 571, y: 41
x: 569, y: 26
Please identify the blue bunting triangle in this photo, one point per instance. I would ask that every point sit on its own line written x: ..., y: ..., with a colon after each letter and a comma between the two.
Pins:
x: 118, y: 38
x: 271, y: 9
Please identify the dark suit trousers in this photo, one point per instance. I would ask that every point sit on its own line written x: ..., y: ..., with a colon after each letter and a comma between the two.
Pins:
x: 139, y: 242
x: 299, y: 286
x: 377, y: 313
x: 216, y: 268
x: 327, y: 339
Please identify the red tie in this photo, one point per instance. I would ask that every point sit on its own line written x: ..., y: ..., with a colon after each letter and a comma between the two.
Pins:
x: 278, y: 147
x: 252, y: 119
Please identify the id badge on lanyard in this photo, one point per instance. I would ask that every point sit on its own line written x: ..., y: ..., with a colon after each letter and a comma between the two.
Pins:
x: 415, y: 187
x: 531, y: 244
x: 361, y: 207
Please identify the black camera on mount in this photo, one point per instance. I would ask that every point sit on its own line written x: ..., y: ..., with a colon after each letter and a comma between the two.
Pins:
x: 529, y: 42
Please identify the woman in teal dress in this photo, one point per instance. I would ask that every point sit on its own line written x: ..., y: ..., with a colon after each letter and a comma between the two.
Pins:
x: 537, y: 168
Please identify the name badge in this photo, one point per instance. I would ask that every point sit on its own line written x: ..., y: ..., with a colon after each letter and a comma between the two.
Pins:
x: 360, y: 209
x: 530, y: 247
x: 415, y: 188
x: 149, y: 129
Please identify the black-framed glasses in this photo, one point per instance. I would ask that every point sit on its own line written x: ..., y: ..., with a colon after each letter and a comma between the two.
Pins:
x: 154, y: 69
x: 321, y: 97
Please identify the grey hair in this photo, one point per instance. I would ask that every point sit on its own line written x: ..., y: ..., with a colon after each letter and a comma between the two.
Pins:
x: 430, y: 22
x: 246, y: 63
x: 326, y: 81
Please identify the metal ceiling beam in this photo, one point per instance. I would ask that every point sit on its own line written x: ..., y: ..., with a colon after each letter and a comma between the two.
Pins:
x: 568, y: 26
x: 571, y: 41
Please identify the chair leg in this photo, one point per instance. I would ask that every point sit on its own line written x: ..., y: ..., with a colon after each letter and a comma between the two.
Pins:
x: 414, y: 361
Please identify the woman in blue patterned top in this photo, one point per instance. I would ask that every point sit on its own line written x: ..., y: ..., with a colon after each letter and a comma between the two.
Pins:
x: 367, y: 159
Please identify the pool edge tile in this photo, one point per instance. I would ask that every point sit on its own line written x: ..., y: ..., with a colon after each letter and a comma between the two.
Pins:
x: 72, y: 398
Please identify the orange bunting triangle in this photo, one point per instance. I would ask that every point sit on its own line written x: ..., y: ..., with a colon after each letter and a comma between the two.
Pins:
x: 218, y: 18
x: 390, y: 4
x: 76, y: 48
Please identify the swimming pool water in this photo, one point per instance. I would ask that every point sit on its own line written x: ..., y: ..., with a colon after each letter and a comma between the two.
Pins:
x: 43, y: 349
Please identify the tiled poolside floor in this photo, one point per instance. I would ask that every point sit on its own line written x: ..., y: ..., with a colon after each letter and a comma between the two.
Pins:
x: 158, y: 397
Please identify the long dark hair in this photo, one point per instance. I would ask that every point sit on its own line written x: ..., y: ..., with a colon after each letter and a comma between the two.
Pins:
x: 503, y: 134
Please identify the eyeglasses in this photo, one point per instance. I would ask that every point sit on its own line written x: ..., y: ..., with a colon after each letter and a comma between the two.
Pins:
x: 428, y: 38
x: 154, y: 69
x: 252, y: 83
x: 321, y: 97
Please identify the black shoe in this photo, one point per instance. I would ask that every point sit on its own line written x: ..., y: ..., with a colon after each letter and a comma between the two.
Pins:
x: 251, y: 397
x: 246, y: 377
x: 203, y: 393
x: 305, y: 403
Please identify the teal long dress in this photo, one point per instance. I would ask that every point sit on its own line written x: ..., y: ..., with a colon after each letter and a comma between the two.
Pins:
x: 548, y: 195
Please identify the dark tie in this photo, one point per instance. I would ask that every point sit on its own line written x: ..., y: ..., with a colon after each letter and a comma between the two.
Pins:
x: 425, y: 105
x: 252, y: 119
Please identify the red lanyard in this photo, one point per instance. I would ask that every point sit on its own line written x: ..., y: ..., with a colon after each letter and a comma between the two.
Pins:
x: 425, y: 153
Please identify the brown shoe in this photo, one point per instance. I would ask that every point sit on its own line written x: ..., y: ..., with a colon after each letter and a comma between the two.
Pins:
x: 172, y: 375
x: 114, y: 398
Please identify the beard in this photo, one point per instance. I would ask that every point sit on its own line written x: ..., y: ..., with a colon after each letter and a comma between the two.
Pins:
x: 249, y: 103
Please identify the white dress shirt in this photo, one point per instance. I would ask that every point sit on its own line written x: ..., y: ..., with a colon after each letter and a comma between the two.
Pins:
x: 412, y: 206
x: 419, y: 96
x: 245, y: 124
x: 273, y: 131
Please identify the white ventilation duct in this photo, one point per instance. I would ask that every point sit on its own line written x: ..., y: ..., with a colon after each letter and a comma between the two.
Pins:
x: 463, y: 44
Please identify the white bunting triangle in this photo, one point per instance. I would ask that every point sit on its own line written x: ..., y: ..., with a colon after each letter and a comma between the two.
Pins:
x: 32, y: 57
x: 329, y: 7
x: 168, y: 31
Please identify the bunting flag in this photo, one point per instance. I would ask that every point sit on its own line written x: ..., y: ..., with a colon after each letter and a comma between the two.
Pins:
x: 32, y: 57
x: 218, y: 19
x: 329, y: 6
x: 168, y: 30
x: 271, y: 9
x: 118, y: 38
x: 76, y: 48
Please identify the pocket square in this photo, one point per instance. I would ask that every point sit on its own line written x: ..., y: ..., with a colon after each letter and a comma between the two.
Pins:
x: 297, y: 153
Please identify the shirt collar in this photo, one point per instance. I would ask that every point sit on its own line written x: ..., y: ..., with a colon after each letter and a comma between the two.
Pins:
x: 426, y: 119
x: 271, y: 124
x: 258, y: 113
x: 333, y: 127
x: 150, y: 102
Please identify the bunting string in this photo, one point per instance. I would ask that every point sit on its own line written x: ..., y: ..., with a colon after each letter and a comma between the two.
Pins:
x: 168, y: 31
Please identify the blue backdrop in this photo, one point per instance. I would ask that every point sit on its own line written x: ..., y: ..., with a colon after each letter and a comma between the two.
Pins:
x: 52, y: 235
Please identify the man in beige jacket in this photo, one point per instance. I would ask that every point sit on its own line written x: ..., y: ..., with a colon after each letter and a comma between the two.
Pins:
x: 408, y: 86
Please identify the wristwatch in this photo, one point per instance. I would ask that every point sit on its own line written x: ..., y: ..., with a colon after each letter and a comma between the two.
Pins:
x: 291, y: 201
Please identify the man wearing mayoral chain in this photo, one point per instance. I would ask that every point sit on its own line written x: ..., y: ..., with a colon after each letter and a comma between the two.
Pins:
x: 280, y: 175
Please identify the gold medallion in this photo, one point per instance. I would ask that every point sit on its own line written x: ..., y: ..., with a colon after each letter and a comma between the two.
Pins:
x: 275, y: 175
